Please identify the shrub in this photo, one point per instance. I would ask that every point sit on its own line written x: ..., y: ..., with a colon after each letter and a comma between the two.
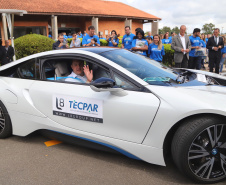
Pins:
x: 69, y: 41
x: 103, y: 42
x: 168, y: 57
x: 31, y: 44
x: 120, y: 44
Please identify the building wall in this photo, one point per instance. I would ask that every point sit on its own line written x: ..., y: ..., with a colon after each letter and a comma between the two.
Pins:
x: 136, y: 24
x: 118, y: 25
x: 83, y: 23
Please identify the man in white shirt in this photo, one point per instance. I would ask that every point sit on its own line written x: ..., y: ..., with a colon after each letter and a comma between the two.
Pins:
x: 181, y: 45
x: 76, y: 42
x: 80, y: 73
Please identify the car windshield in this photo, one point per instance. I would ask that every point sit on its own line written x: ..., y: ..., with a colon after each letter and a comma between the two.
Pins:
x: 148, y: 70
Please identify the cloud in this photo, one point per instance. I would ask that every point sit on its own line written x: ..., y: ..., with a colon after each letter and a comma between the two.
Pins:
x: 192, y: 13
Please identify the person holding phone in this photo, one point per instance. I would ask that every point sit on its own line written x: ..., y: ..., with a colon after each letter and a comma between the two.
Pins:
x: 113, y: 40
x: 76, y: 42
x: 60, y: 44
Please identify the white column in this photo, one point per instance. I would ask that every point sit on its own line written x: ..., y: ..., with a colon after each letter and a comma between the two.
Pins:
x: 4, y: 26
x: 128, y: 22
x: 155, y: 28
x: 95, y: 24
x: 54, y: 26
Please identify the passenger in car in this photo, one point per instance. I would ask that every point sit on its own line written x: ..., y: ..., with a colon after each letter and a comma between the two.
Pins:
x: 80, y: 73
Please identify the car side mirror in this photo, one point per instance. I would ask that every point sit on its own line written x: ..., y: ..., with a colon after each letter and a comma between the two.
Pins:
x: 103, y: 83
x: 107, y: 84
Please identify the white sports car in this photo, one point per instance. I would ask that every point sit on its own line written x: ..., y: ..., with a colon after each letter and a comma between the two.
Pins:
x: 134, y: 105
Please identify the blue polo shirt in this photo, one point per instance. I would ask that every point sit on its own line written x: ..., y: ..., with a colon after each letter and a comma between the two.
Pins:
x: 207, y: 40
x: 127, y: 41
x: 167, y: 41
x: 155, y: 53
x: 65, y: 37
x: 87, y: 39
x: 223, y: 50
x: 202, y: 44
x: 110, y: 43
x: 195, y: 41
x: 80, y: 36
x: 140, y: 43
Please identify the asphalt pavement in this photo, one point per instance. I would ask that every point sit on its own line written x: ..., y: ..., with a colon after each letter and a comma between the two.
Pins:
x: 27, y: 160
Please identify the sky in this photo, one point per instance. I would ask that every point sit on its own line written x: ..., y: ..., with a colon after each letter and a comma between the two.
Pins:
x: 192, y: 13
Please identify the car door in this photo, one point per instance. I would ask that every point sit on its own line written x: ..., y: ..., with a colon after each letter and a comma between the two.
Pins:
x: 77, y: 106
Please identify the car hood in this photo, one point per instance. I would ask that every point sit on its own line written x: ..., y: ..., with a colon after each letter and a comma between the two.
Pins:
x: 214, y: 75
x: 208, y: 88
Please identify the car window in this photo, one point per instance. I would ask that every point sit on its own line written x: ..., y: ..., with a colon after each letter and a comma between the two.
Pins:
x: 123, y: 83
x: 25, y: 70
x: 60, y: 70
x: 148, y: 70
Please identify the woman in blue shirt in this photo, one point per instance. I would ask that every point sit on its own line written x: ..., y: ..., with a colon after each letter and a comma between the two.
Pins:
x: 202, y: 44
x: 156, y: 49
x: 113, y: 39
x: 140, y: 44
x: 166, y: 39
x: 223, y: 52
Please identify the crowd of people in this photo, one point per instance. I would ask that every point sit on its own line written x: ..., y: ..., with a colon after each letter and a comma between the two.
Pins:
x: 150, y: 46
x: 190, y: 52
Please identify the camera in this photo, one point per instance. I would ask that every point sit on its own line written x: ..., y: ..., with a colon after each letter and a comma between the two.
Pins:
x: 95, y: 39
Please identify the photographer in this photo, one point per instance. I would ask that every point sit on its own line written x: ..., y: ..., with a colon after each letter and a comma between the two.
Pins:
x: 60, y: 44
x: 90, y: 39
x: 76, y: 42
x: 113, y: 39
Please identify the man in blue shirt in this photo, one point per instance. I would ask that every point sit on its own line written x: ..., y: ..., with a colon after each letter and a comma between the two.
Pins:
x: 79, y: 34
x: 127, y: 39
x: 149, y: 35
x: 91, y: 39
x: 194, y: 61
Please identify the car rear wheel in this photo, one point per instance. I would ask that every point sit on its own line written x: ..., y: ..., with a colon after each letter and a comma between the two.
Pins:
x: 199, y: 149
x: 5, y: 123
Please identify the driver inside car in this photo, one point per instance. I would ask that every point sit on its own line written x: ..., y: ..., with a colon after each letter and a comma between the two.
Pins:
x: 80, y: 72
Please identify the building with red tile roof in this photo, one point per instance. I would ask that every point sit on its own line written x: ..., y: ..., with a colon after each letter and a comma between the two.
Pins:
x: 68, y: 15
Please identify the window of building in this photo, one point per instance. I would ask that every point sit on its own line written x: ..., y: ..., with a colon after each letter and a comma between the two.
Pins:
x: 22, y: 30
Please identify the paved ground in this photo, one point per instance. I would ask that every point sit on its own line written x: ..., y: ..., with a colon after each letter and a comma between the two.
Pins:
x: 27, y: 160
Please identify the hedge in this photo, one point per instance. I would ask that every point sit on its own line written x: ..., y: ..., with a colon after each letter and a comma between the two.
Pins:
x: 168, y: 57
x: 32, y: 43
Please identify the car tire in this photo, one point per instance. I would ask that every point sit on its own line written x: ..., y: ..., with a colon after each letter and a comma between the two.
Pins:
x: 199, y: 149
x: 5, y: 122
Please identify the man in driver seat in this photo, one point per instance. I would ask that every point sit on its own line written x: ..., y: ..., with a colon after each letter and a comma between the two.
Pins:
x: 80, y: 72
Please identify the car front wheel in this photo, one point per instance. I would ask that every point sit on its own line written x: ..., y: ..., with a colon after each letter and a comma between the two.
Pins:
x: 199, y: 149
x: 5, y: 122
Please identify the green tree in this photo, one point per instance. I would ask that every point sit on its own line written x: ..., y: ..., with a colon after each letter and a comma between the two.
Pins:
x: 166, y: 29
x: 176, y: 30
x: 160, y: 31
x: 208, y: 28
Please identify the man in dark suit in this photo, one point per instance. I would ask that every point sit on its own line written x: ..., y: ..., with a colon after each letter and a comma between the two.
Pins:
x: 181, y: 45
x: 9, y: 51
x: 214, y: 45
x: 60, y: 44
x: 2, y: 54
